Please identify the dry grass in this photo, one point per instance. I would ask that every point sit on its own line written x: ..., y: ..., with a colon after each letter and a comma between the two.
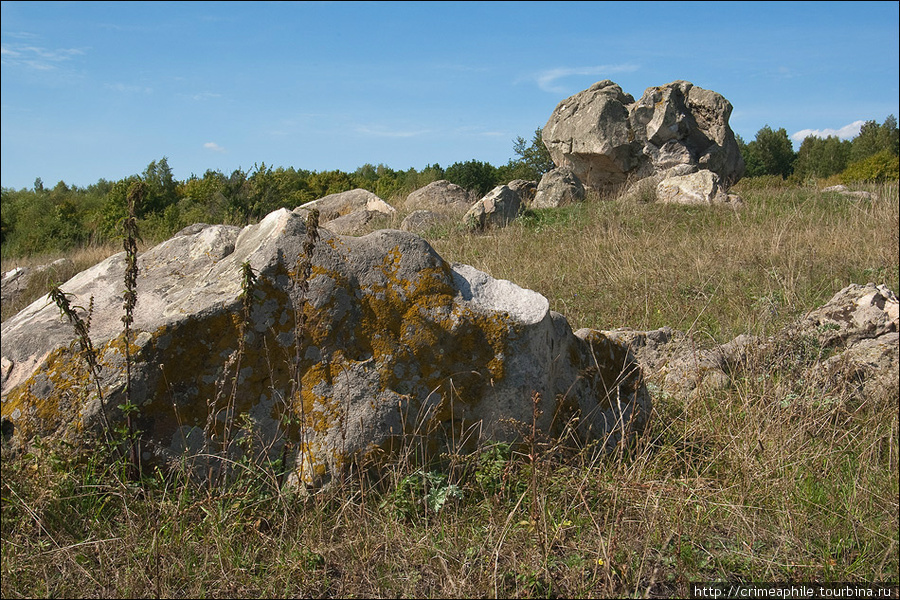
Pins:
x: 82, y: 258
x: 773, y: 479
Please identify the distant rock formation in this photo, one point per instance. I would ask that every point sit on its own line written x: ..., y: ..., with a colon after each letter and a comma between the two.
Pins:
x: 610, y: 141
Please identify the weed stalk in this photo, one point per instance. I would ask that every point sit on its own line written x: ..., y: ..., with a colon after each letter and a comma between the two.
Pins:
x: 135, y: 198
x: 301, y: 276
x: 88, y: 352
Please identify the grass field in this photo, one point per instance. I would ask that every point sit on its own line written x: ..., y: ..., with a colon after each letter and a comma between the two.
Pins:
x: 769, y: 480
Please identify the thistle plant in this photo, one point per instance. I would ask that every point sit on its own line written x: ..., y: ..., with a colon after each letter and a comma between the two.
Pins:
x: 135, y: 197
x: 88, y: 352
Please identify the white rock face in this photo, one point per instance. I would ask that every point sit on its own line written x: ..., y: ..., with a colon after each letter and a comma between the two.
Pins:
x: 701, y: 187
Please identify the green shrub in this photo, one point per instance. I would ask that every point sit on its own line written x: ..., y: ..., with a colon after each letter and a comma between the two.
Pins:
x: 880, y: 167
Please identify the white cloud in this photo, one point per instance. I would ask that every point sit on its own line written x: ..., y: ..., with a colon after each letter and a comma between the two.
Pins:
x: 845, y: 133
x: 124, y: 88
x: 214, y: 147
x: 200, y: 96
x: 547, y: 80
x: 36, y: 57
x: 381, y: 131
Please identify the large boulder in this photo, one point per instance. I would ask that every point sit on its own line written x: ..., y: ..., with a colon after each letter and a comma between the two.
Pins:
x: 498, y: 208
x: 440, y: 196
x: 700, y: 187
x: 385, y: 344
x: 609, y: 140
x: 558, y: 187
x: 341, y: 204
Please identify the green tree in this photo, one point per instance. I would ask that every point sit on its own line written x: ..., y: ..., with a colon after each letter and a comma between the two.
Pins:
x: 473, y: 175
x: 874, y: 138
x: 534, y: 158
x: 883, y: 166
x: 161, y: 187
x: 325, y: 183
x: 820, y: 158
x: 771, y: 153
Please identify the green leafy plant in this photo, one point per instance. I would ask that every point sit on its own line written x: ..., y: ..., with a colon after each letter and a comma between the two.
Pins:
x: 421, y: 491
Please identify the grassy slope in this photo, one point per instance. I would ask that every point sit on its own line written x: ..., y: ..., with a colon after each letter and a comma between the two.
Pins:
x: 772, y: 479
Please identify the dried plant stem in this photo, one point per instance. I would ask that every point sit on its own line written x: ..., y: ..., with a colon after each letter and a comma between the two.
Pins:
x: 135, y: 198
x: 301, y: 276
x: 88, y: 352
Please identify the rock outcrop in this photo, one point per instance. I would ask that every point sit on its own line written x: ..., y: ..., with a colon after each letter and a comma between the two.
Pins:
x: 849, y: 344
x: 385, y: 344
x: 609, y: 140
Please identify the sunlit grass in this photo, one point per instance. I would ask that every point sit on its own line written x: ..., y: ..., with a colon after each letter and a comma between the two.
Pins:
x: 767, y: 480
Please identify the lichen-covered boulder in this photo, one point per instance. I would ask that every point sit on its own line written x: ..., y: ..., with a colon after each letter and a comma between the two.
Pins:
x: 384, y: 345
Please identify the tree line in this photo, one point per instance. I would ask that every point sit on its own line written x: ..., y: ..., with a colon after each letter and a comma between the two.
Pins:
x: 870, y: 156
x: 47, y: 220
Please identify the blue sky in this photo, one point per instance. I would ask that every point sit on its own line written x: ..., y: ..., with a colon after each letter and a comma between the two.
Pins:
x: 98, y: 90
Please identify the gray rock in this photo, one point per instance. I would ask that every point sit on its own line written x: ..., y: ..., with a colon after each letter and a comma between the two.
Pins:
x: 609, y: 140
x: 852, y: 194
x: 353, y: 223
x: 398, y: 347
x: 440, y: 196
x: 498, y: 208
x: 558, y: 187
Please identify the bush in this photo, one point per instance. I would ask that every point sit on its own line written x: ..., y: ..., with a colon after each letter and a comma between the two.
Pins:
x: 881, y: 167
